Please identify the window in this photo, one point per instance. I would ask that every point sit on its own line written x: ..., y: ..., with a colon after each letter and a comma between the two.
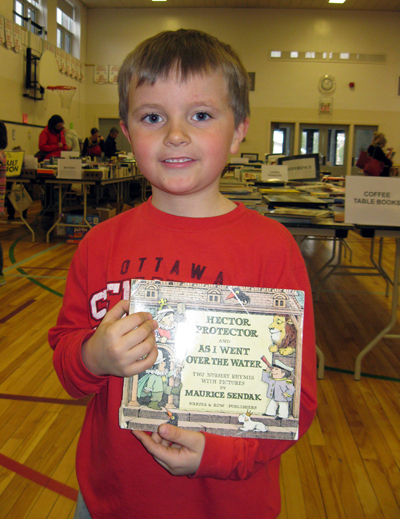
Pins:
x: 26, y: 12
x: 65, y: 25
x: 310, y: 141
x: 279, y: 302
x: 282, y: 135
x: 336, y: 147
x: 213, y: 297
x: 151, y: 292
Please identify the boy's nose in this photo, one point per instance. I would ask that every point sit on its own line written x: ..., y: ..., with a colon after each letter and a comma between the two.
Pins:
x: 177, y: 134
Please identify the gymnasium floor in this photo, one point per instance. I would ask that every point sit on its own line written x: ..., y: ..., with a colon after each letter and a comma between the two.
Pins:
x: 346, y: 466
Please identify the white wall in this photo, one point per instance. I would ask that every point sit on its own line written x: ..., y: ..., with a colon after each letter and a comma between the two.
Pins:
x: 285, y: 91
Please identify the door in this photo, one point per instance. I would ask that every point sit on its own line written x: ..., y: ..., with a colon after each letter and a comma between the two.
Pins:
x: 330, y: 142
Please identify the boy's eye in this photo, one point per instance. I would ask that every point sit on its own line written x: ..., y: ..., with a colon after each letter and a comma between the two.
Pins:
x: 152, y: 118
x: 201, y: 116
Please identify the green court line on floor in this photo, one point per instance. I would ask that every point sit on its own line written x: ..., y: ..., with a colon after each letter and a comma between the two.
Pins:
x: 367, y: 375
x: 12, y: 258
x: 21, y: 271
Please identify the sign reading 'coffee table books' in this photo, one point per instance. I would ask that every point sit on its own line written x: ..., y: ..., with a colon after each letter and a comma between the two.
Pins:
x: 229, y: 360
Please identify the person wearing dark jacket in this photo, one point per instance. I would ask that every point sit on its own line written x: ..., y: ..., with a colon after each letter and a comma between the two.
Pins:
x: 375, y: 150
x: 110, y: 148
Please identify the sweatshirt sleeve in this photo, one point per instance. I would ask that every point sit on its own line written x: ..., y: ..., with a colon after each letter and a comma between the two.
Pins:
x: 71, y: 331
x: 63, y: 141
x: 44, y: 145
x: 239, y: 458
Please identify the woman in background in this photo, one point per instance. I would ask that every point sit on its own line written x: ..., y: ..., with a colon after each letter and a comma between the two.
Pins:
x: 51, y: 139
x: 375, y: 150
x: 93, y: 145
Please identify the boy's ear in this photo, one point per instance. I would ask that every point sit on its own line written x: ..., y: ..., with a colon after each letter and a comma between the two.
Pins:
x: 125, y: 131
x: 239, y: 135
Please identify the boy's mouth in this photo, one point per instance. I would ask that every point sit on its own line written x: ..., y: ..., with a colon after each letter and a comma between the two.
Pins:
x: 178, y: 161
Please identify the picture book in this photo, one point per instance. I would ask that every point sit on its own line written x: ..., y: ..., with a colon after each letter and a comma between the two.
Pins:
x: 229, y: 360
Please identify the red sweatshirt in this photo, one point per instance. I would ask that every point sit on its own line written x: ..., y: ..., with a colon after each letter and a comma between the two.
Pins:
x: 237, y: 477
x: 48, y: 143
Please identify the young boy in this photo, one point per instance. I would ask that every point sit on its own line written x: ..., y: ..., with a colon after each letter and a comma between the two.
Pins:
x: 184, y: 108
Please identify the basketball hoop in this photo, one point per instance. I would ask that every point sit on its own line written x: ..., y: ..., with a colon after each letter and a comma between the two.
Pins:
x: 66, y: 94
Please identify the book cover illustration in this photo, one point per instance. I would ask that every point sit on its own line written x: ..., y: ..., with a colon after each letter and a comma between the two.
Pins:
x: 229, y: 360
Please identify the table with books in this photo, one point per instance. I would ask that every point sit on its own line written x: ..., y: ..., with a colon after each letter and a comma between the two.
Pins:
x: 121, y: 185
x: 327, y: 228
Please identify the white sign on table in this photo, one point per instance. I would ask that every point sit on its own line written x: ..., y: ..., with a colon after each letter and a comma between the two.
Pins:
x: 274, y: 172
x: 372, y: 200
x: 69, y: 168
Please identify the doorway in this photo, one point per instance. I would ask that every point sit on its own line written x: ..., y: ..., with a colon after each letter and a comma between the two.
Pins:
x: 330, y: 142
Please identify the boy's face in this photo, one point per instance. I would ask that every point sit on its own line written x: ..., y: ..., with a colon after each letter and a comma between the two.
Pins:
x: 182, y: 134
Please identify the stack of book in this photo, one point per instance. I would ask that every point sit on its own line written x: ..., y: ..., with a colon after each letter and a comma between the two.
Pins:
x: 289, y: 215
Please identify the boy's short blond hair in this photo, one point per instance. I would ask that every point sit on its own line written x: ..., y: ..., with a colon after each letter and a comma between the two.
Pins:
x: 186, y: 52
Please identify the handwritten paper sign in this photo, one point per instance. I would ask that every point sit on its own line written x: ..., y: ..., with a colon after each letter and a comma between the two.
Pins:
x: 17, y: 37
x: 274, y: 172
x: 9, y: 34
x: 2, y: 37
x: 101, y: 74
x: 113, y: 74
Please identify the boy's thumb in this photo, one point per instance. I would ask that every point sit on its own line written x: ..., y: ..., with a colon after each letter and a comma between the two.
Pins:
x: 170, y: 433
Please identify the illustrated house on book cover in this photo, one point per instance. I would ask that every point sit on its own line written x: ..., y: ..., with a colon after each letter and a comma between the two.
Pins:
x: 229, y: 360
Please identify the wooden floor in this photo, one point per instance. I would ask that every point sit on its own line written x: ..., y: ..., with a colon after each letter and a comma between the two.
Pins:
x: 347, y: 466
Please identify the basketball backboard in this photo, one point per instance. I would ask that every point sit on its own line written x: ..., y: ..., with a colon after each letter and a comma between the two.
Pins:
x: 49, y: 74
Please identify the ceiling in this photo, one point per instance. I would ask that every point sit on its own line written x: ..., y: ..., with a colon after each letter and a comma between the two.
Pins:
x: 359, y: 5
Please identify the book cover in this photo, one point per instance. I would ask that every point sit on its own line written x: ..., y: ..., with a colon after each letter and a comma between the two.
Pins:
x: 229, y: 360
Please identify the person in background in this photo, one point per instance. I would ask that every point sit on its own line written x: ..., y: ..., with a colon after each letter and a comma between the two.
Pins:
x: 110, y: 145
x: 93, y: 145
x: 3, y: 170
x: 376, y: 150
x: 72, y: 139
x: 51, y: 139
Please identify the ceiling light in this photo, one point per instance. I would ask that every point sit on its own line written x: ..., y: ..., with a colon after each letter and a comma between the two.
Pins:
x: 337, y: 1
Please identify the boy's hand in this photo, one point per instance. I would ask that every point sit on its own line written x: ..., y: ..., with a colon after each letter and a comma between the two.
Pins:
x: 119, y: 345
x: 177, y: 450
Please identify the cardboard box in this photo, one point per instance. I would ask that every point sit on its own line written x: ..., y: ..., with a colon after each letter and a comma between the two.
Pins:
x: 106, y: 212
x: 78, y: 232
